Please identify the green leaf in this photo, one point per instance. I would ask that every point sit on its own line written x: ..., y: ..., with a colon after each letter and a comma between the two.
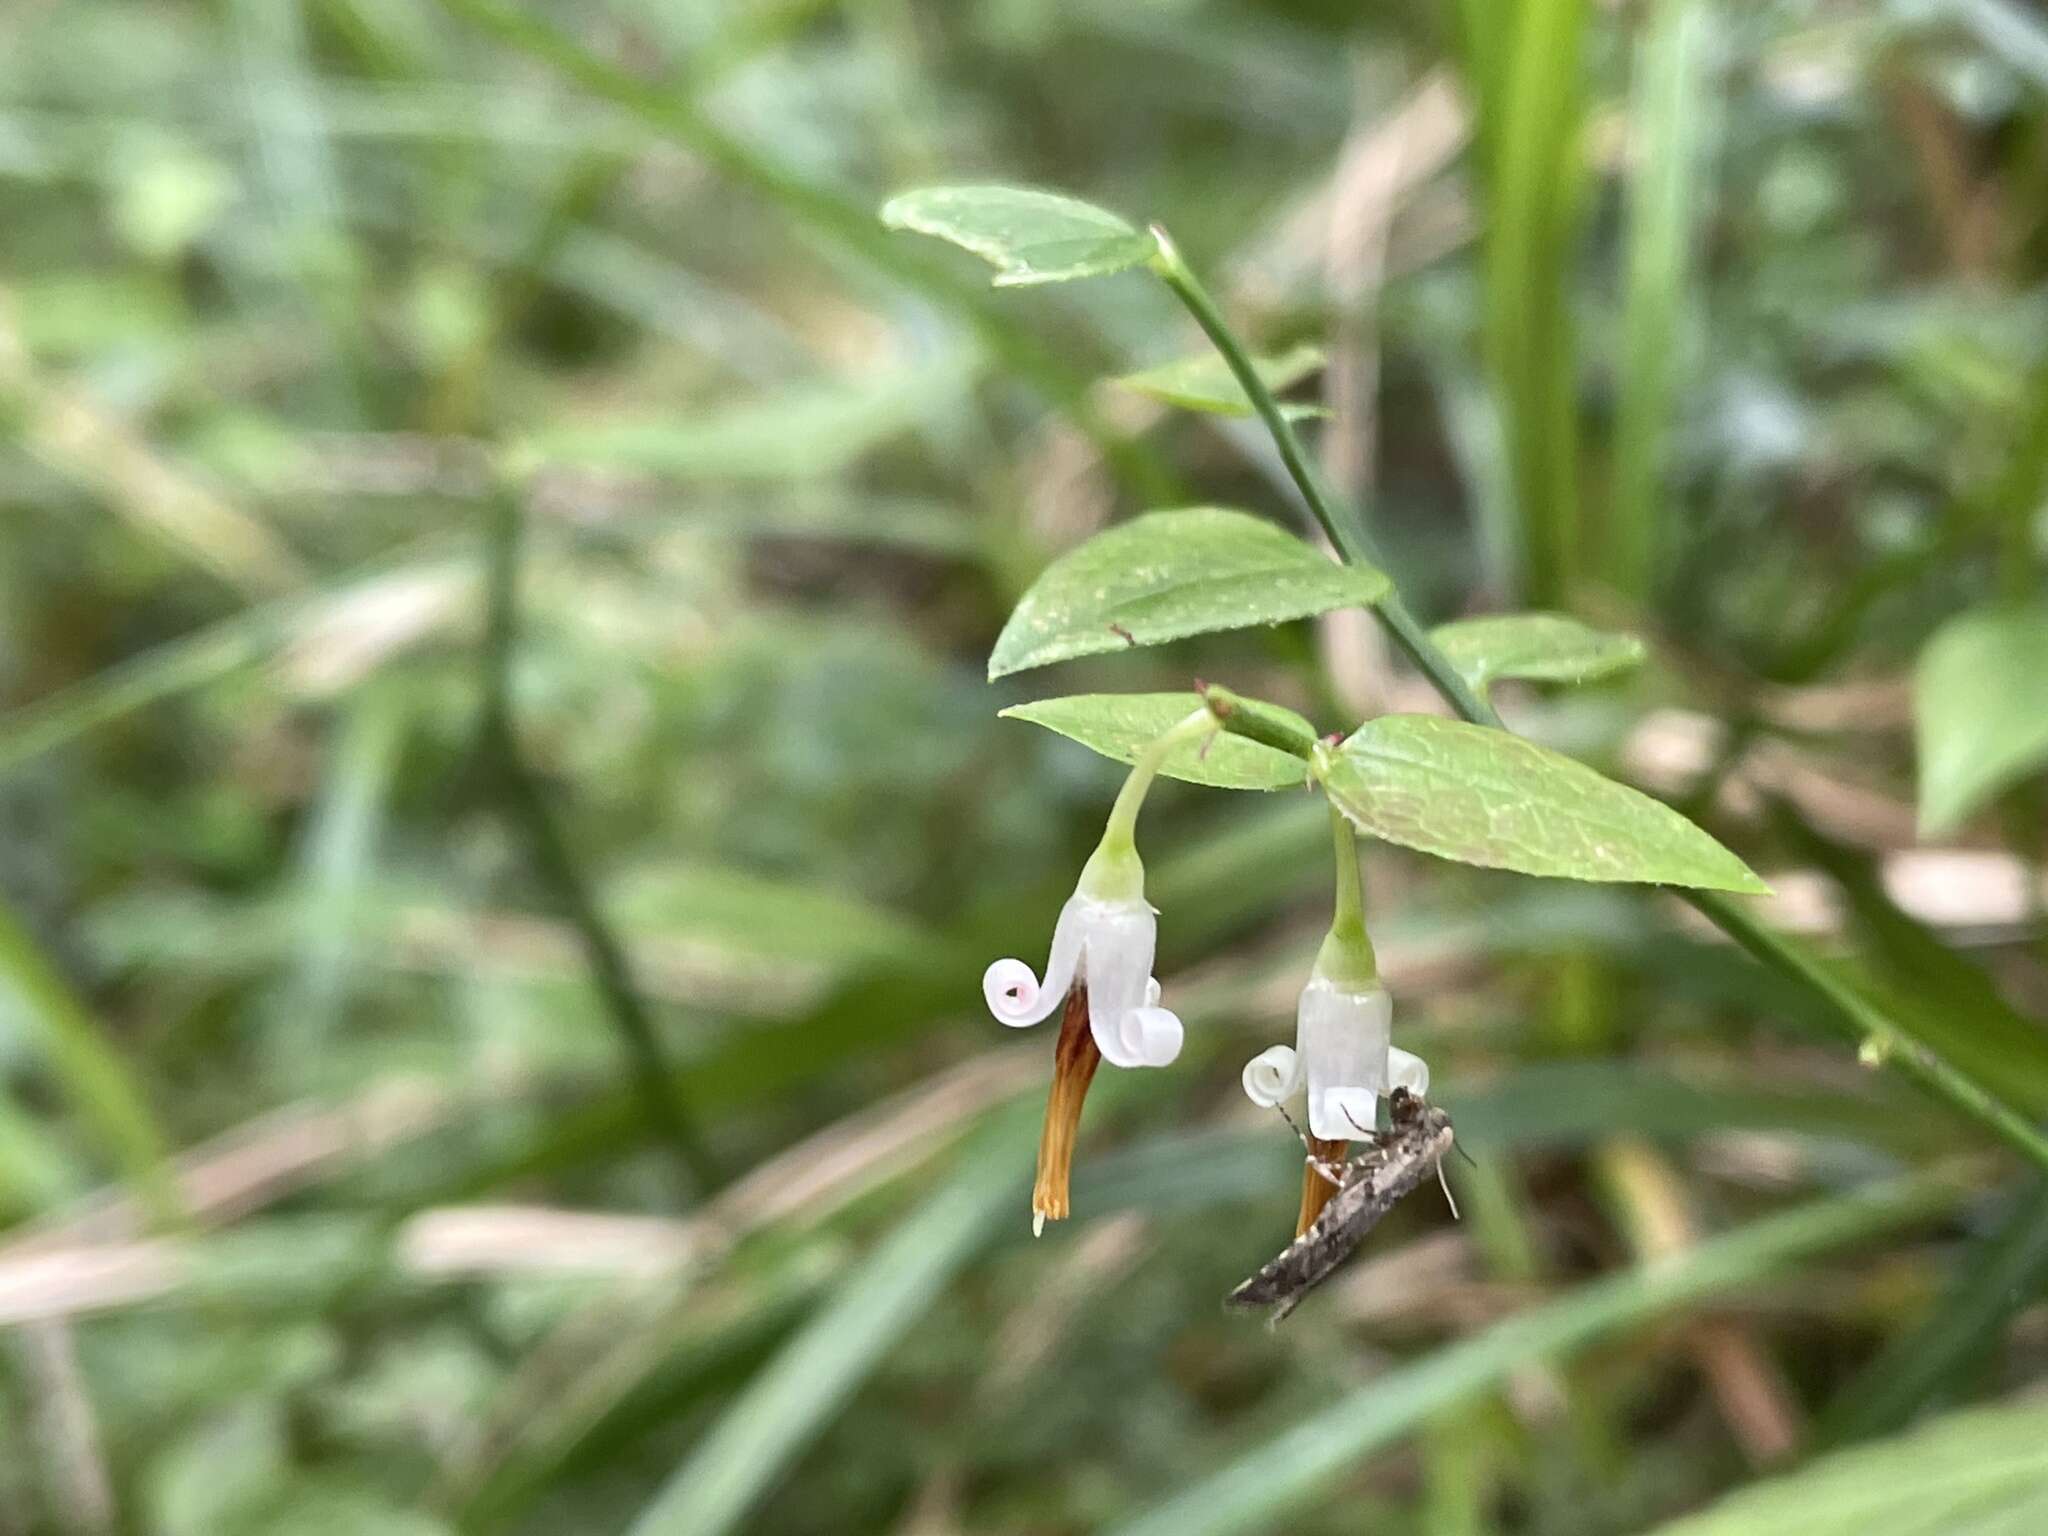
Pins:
x: 1482, y: 796
x: 1204, y: 382
x: 1121, y: 725
x: 1168, y: 575
x: 1980, y: 707
x: 1978, y: 1473
x: 1534, y: 647
x: 1028, y: 236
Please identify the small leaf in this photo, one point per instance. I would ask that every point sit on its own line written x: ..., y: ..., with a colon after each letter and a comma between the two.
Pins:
x: 1977, y: 1473
x: 1204, y: 382
x: 1980, y: 709
x: 1121, y: 725
x: 1026, y: 235
x: 1534, y: 647
x: 1168, y: 575
x: 1482, y: 796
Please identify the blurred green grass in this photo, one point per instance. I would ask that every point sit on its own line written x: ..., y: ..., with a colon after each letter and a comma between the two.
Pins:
x: 1726, y: 325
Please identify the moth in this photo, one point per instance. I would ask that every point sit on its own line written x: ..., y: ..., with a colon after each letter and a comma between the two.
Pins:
x: 1410, y: 1150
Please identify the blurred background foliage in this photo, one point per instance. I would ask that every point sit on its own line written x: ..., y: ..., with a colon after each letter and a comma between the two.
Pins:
x: 333, y: 1202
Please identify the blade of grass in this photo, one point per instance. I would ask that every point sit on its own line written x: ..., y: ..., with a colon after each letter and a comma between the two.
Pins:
x: 297, y: 173
x: 105, y: 1094
x: 1532, y: 198
x: 787, y: 1404
x: 177, y: 666
x: 191, y: 661
x: 1993, y: 1279
x: 1672, y: 123
x: 1255, y: 1492
x: 670, y: 113
x: 335, y: 865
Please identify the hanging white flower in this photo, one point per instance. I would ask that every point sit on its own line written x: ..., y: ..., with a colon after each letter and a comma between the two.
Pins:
x: 1104, y: 946
x: 1342, y: 1052
x: 1099, y: 975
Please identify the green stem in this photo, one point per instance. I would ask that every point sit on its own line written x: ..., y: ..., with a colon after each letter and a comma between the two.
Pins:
x: 1244, y: 717
x: 1346, y: 956
x: 526, y: 807
x: 1347, y: 533
x: 1113, y: 871
x: 1856, y: 1018
x: 1349, y: 915
x: 1873, y: 1029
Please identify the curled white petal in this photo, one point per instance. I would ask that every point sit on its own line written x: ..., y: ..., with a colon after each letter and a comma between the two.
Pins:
x: 1271, y: 1077
x: 1011, y: 990
x: 1152, y: 992
x: 1151, y: 1036
x: 1407, y: 1070
x: 1116, y: 964
x: 1017, y: 997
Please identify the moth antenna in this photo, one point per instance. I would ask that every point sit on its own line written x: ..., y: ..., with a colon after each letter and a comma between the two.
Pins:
x: 1299, y: 1136
x: 1445, y: 1185
x: 1459, y: 1148
x: 1370, y: 1133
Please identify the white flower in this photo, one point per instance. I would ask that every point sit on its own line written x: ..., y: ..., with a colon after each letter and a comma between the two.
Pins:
x: 1342, y: 1052
x: 1105, y: 946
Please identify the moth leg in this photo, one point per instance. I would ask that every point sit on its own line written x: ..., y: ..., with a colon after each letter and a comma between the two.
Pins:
x: 1328, y: 1170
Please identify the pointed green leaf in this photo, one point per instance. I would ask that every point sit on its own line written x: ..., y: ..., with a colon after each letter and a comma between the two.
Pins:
x: 1483, y: 796
x: 1534, y: 647
x: 1168, y: 575
x: 1980, y: 709
x: 1026, y: 235
x: 1121, y: 725
x: 1204, y: 382
x: 1979, y: 1473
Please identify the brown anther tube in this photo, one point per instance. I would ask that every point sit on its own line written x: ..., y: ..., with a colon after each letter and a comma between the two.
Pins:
x: 1074, y: 1061
x: 1315, y: 1188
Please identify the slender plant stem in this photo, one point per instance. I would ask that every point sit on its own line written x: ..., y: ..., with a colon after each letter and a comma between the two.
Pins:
x: 1347, y: 955
x: 526, y: 807
x: 1247, y: 718
x: 1349, y: 534
x: 1882, y: 1039
x: 1856, y: 1018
